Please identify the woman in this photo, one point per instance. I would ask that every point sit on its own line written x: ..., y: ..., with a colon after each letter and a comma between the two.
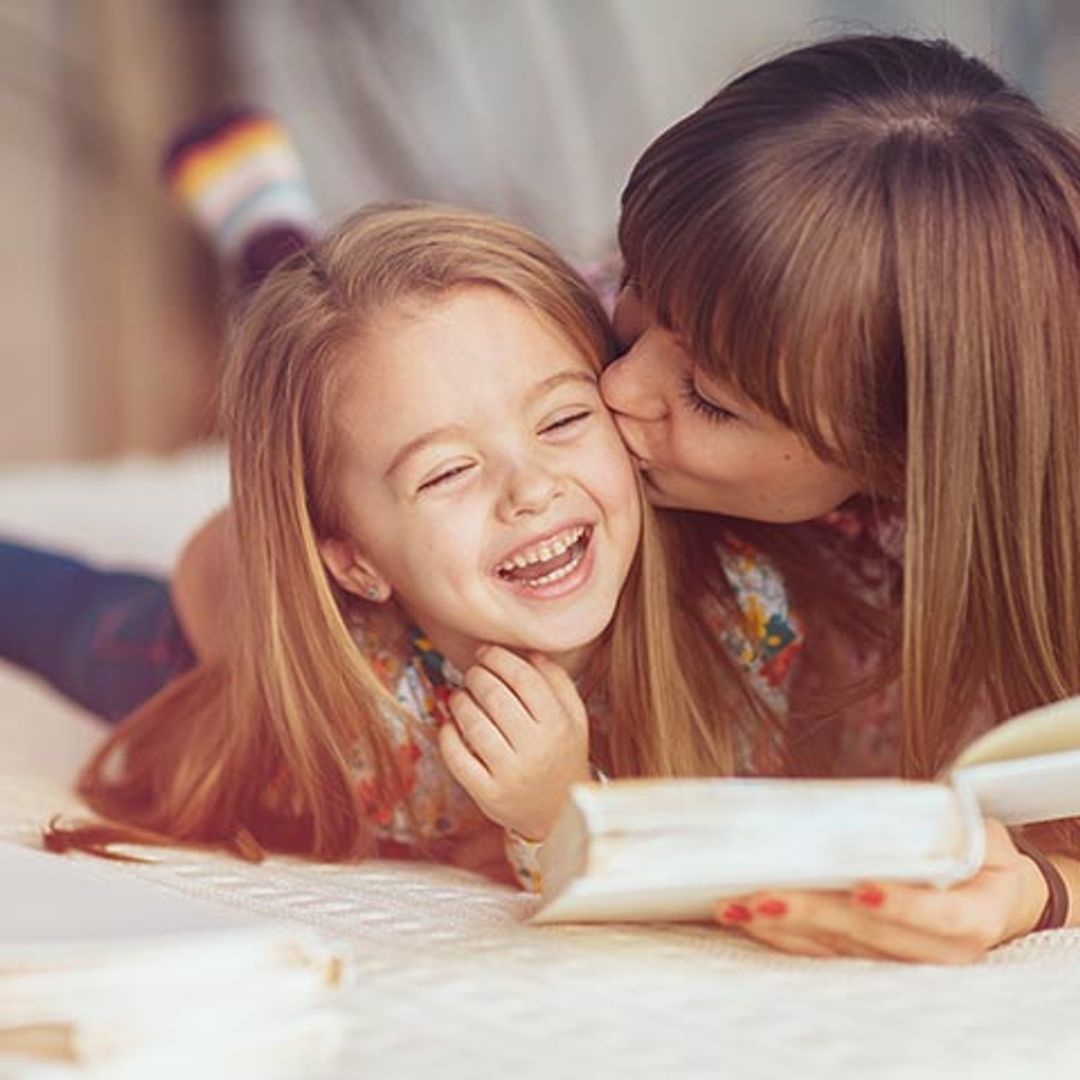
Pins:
x: 850, y: 285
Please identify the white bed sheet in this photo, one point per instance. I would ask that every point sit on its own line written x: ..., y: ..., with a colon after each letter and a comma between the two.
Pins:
x: 449, y: 981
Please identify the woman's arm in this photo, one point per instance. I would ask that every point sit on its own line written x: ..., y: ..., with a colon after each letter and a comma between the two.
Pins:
x: 200, y: 586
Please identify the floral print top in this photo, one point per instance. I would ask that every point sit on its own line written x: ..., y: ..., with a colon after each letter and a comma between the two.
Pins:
x: 764, y: 642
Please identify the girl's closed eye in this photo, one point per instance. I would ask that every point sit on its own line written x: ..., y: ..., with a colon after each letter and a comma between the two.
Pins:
x: 444, y: 476
x: 698, y: 403
x: 569, y: 422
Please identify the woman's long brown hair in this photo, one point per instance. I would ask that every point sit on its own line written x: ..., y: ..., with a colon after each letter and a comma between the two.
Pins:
x: 256, y: 752
x: 878, y: 241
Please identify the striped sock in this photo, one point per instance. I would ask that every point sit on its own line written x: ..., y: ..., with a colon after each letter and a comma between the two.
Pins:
x: 241, y: 180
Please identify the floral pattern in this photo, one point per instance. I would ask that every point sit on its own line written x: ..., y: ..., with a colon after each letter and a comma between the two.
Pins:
x: 769, y: 636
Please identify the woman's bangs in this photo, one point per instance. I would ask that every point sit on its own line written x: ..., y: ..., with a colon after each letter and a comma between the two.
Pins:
x: 743, y: 312
x: 789, y: 357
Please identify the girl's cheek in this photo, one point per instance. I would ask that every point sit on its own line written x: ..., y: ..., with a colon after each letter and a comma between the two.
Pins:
x: 619, y: 469
x: 609, y: 432
x: 626, y: 493
x: 613, y: 483
x: 615, y: 448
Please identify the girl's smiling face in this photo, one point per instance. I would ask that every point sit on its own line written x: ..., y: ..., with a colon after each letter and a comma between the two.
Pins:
x: 699, y: 444
x: 483, y: 481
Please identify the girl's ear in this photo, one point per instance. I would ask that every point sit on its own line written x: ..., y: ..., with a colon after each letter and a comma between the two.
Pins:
x: 353, y: 572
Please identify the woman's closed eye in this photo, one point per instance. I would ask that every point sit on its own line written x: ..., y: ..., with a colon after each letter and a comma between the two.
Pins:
x: 695, y: 401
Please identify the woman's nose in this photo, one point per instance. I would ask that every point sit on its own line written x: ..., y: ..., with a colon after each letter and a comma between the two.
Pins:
x: 633, y: 385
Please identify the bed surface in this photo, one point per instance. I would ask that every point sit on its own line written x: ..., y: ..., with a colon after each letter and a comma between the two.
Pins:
x: 448, y: 980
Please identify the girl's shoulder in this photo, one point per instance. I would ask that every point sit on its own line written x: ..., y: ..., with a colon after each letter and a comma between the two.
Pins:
x: 383, y: 635
x: 419, y: 682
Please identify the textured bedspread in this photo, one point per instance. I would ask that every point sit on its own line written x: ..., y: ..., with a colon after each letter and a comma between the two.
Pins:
x: 448, y: 980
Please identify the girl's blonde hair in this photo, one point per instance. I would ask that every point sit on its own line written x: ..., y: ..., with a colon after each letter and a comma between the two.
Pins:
x: 878, y: 241
x: 254, y: 752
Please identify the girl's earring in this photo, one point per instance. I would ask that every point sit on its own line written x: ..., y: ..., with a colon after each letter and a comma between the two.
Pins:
x: 371, y: 592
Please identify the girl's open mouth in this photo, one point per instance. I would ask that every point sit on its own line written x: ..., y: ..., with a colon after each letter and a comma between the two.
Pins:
x: 549, y: 562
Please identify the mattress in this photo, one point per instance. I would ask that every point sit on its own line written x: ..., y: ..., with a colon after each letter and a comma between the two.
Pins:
x: 448, y: 978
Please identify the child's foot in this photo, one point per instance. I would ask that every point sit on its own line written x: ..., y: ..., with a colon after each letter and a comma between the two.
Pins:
x: 240, y: 177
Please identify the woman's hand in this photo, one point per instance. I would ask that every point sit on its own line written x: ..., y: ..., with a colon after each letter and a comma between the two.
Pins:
x: 519, y: 740
x: 901, y: 921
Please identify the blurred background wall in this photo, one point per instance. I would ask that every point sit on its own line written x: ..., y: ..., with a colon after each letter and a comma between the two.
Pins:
x: 534, y: 109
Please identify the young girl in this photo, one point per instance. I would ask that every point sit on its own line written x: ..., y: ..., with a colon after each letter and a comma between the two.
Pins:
x: 434, y: 521
x: 851, y: 283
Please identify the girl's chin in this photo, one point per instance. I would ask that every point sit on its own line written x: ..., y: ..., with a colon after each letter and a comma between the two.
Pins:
x: 561, y: 648
x: 561, y: 644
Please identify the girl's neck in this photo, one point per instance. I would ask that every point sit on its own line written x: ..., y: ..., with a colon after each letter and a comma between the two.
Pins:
x: 461, y: 652
x: 576, y: 662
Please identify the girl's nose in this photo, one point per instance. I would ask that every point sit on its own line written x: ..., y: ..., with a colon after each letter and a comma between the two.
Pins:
x: 530, y: 488
x: 633, y: 385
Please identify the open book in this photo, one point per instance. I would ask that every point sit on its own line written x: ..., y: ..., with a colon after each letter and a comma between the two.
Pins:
x: 102, y: 973
x: 638, y: 850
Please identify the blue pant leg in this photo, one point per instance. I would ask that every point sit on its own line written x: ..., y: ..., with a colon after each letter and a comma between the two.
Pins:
x: 107, y: 639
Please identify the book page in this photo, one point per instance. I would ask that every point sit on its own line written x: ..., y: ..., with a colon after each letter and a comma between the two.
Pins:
x: 1047, y: 730
x: 1025, y: 790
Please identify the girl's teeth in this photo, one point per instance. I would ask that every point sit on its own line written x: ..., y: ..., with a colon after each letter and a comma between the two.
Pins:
x: 555, y: 575
x: 550, y: 550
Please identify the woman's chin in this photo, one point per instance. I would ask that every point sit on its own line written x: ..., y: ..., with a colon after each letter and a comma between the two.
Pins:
x: 660, y: 497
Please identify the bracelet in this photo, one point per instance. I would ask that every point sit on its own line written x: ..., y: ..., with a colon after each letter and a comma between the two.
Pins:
x: 1056, y: 911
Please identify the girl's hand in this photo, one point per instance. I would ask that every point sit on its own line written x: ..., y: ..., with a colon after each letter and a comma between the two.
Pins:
x: 902, y: 921
x: 519, y: 740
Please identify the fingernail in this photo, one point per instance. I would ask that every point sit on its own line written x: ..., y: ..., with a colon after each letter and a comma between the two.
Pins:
x: 870, y: 895
x: 771, y: 907
x: 736, y: 913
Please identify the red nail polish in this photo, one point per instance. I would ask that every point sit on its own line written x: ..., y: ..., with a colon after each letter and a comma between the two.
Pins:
x: 771, y: 907
x: 736, y: 913
x: 870, y: 895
